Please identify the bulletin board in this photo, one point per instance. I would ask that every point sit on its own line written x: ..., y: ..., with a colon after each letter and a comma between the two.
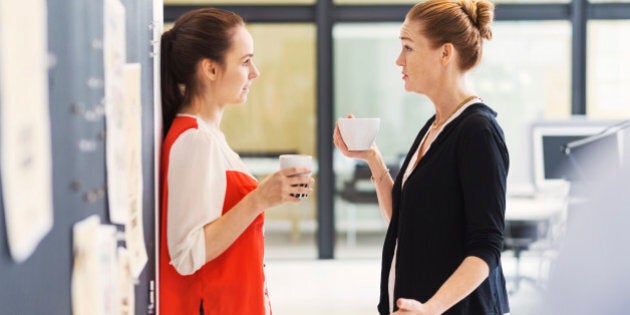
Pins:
x: 41, y: 284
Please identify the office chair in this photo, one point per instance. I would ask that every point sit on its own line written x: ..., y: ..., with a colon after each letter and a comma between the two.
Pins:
x: 358, y: 190
x: 536, y: 224
x: 521, y: 236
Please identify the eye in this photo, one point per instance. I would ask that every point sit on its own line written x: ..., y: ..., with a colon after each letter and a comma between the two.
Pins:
x: 407, y: 48
x: 246, y: 62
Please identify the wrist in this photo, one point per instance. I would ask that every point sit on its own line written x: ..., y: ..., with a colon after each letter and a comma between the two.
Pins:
x: 434, y: 307
x: 375, y: 160
x: 377, y: 177
x: 378, y: 168
x: 254, y: 203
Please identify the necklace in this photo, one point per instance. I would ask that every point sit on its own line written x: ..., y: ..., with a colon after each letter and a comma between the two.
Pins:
x: 468, y: 99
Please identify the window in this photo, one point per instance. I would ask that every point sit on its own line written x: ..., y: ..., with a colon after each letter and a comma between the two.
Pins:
x: 224, y: 2
x: 608, y: 95
x: 279, y: 117
x: 525, y: 75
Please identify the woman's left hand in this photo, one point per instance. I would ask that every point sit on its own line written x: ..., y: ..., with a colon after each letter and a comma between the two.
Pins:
x: 409, y: 306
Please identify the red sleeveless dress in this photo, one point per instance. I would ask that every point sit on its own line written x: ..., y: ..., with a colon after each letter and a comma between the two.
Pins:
x: 234, y: 282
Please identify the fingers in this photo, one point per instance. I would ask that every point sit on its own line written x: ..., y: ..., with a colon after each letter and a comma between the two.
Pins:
x: 291, y: 186
x: 408, y: 304
x: 293, y: 171
x: 300, y: 186
x: 295, y: 192
x: 338, y: 141
x: 300, y: 193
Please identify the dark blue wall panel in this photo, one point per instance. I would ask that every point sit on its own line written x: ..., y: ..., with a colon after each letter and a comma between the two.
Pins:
x: 41, y: 285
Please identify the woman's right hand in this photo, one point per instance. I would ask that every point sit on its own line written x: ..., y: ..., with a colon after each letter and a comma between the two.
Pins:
x: 283, y: 186
x: 364, y: 155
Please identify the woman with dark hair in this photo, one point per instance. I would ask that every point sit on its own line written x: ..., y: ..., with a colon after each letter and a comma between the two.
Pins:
x: 446, y: 208
x: 212, y: 208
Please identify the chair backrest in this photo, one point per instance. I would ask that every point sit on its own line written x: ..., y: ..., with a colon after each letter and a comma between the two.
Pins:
x: 358, y: 189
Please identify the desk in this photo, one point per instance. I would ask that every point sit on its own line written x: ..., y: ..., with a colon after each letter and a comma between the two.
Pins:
x: 263, y: 166
x: 529, y: 220
x: 537, y: 208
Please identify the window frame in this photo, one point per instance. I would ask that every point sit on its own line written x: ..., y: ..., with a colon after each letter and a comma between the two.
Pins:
x: 325, y: 13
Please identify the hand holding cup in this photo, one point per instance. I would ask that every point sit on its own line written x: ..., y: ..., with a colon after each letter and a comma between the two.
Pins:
x: 288, y: 161
x: 354, y: 137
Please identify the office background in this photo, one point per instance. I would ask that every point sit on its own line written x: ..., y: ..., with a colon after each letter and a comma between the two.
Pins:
x: 319, y: 60
x: 548, y: 60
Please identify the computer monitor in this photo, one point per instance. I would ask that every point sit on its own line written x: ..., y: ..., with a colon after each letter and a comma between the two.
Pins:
x: 589, y: 162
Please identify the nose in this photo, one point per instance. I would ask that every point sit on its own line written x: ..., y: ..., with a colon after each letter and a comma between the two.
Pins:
x: 254, y: 72
x: 400, y: 61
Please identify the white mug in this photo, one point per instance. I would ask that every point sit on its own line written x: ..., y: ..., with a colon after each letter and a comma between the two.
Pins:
x: 297, y: 160
x: 358, y: 133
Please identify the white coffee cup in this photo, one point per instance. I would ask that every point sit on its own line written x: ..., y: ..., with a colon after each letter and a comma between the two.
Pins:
x: 297, y: 160
x: 358, y: 133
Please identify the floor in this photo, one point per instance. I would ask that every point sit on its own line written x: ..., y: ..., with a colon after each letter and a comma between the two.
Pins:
x: 300, y: 284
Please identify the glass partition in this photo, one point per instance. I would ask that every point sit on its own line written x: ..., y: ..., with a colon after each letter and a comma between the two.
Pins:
x: 280, y: 117
x: 524, y: 76
x: 412, y: 2
x: 607, y: 71
x: 368, y: 84
x: 237, y: 2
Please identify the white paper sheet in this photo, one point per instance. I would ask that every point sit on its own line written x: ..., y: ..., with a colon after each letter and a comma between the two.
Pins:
x: 95, y: 272
x: 25, y: 125
x: 127, y: 299
x: 134, y: 232
x: 85, y: 286
x: 107, y: 253
x: 114, y: 60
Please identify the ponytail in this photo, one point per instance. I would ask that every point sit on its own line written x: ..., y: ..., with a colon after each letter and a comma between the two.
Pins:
x: 172, y: 97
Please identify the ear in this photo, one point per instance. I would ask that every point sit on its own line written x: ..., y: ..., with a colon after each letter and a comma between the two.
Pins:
x: 209, y: 69
x: 447, y: 53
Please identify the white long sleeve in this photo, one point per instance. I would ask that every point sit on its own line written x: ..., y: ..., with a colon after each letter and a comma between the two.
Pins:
x: 196, y: 191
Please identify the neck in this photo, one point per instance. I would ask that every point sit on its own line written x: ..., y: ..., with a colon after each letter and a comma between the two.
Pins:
x: 210, y: 111
x: 448, y: 98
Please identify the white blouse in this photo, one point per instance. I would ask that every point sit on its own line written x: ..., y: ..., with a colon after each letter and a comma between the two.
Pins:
x: 199, y: 159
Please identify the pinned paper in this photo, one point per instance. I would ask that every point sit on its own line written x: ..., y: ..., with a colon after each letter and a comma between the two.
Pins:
x: 114, y: 61
x: 134, y: 231
x: 95, y: 270
x: 26, y: 159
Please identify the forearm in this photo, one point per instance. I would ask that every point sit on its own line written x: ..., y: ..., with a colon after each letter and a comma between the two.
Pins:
x: 466, y: 278
x: 383, y: 183
x: 221, y: 233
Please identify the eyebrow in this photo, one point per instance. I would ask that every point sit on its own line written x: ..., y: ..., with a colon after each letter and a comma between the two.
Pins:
x: 247, y: 56
x: 406, y: 38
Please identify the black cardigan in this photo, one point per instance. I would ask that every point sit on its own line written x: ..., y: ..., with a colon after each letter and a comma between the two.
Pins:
x: 451, y: 206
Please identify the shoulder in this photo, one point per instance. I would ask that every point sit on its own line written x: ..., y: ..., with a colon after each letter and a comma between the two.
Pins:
x: 478, y: 117
x: 187, y: 129
x: 478, y: 121
x: 194, y: 141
